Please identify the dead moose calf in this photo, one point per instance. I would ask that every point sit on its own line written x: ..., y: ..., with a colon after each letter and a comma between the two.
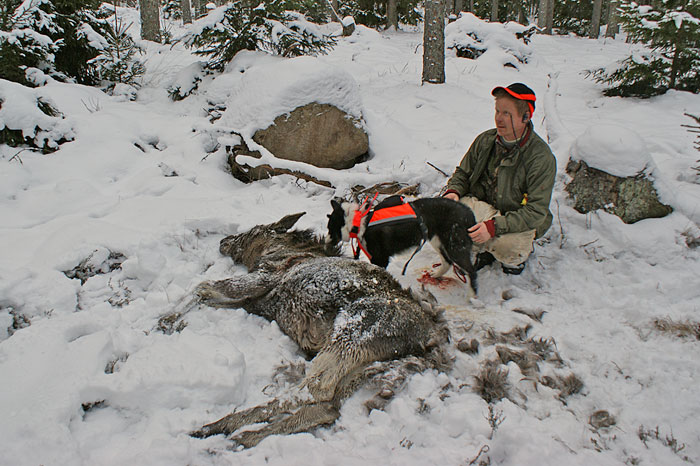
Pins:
x: 350, y: 314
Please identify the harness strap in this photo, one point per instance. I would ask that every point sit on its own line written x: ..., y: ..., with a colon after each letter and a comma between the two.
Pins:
x: 424, y: 233
x: 459, y: 274
x: 357, y: 224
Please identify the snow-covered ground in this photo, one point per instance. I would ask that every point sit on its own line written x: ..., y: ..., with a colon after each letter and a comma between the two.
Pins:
x: 89, y: 379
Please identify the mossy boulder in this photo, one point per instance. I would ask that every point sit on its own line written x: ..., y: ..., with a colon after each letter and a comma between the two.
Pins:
x: 630, y: 198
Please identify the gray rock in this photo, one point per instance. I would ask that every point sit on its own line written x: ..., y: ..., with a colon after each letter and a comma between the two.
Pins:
x: 318, y: 134
x: 630, y: 198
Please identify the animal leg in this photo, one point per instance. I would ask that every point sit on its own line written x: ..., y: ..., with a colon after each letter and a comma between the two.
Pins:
x: 444, y: 267
x: 354, y: 346
x: 307, y: 417
x: 459, y: 249
x: 327, y: 369
x: 234, y: 292
x: 234, y: 421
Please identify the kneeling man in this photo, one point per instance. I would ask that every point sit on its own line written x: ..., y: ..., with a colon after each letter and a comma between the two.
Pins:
x: 506, y: 177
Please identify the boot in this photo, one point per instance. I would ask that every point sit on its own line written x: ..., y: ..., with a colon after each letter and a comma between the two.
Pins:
x: 516, y: 270
x: 483, y: 259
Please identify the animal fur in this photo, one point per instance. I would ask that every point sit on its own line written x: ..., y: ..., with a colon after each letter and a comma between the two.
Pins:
x: 446, y: 224
x: 353, y: 317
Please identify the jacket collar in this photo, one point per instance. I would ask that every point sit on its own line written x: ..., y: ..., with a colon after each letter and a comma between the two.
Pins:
x: 523, y: 140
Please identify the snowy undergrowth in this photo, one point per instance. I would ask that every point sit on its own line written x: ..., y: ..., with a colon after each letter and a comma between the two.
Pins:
x: 139, y: 200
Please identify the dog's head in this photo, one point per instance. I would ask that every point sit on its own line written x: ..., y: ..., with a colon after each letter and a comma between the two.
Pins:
x: 340, y: 221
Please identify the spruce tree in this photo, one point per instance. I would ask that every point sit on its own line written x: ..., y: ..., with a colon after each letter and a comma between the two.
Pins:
x: 670, y: 32
x: 117, y: 62
x: 269, y: 27
x: 56, y: 36
x: 374, y: 14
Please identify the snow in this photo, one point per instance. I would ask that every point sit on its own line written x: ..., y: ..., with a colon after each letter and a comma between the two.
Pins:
x: 268, y: 90
x: 91, y: 380
x: 493, y: 38
x: 19, y: 111
x: 621, y: 151
x: 679, y: 16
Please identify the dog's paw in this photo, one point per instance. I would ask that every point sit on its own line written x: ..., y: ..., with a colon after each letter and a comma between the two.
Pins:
x: 439, y: 269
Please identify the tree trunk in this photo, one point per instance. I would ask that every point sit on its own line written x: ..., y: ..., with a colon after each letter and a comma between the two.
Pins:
x: 494, y: 10
x: 550, y: 17
x: 199, y: 8
x: 347, y: 29
x: 434, y: 42
x: 150, y: 20
x: 542, y: 13
x: 459, y: 4
x: 522, y: 19
x: 595, y: 19
x: 186, y: 11
x: 392, y: 16
x: 613, y: 25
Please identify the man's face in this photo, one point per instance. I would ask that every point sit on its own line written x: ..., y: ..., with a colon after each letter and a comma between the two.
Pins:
x: 509, y: 123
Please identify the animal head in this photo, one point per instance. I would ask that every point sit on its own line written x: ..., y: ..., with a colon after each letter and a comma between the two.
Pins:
x: 340, y: 221
x: 246, y: 248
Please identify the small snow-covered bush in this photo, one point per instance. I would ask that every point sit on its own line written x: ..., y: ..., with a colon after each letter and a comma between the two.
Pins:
x: 187, y: 81
x: 116, y: 62
x: 269, y: 27
x: 171, y: 9
x: 470, y: 37
x: 27, y: 118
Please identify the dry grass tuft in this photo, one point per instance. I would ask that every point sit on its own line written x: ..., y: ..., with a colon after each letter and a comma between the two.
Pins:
x: 683, y: 329
x: 515, y: 336
x: 601, y: 419
x: 546, y: 349
x: 534, y: 314
x: 492, y: 382
x: 469, y: 347
x: 692, y: 240
x: 567, y: 386
x: 526, y: 360
x: 645, y: 435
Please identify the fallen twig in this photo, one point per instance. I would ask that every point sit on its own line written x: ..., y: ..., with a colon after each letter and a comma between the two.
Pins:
x: 436, y: 168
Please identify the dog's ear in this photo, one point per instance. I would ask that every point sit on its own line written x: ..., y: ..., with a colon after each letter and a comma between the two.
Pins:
x: 287, y: 222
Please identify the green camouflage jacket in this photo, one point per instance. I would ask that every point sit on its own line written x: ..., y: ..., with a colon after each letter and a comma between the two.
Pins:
x: 525, y: 179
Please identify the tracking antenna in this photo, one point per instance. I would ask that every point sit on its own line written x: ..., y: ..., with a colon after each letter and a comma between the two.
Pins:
x: 518, y: 140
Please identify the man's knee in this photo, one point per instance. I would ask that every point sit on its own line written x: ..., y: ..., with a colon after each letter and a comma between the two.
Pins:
x: 512, y: 249
x: 482, y: 210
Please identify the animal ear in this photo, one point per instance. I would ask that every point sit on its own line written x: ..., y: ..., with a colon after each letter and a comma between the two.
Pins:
x: 285, y: 223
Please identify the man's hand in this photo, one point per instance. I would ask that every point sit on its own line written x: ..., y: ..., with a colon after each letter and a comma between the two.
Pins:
x: 452, y: 196
x: 479, y: 233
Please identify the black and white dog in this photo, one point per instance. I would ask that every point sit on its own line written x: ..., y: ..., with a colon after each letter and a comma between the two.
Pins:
x: 442, y: 222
